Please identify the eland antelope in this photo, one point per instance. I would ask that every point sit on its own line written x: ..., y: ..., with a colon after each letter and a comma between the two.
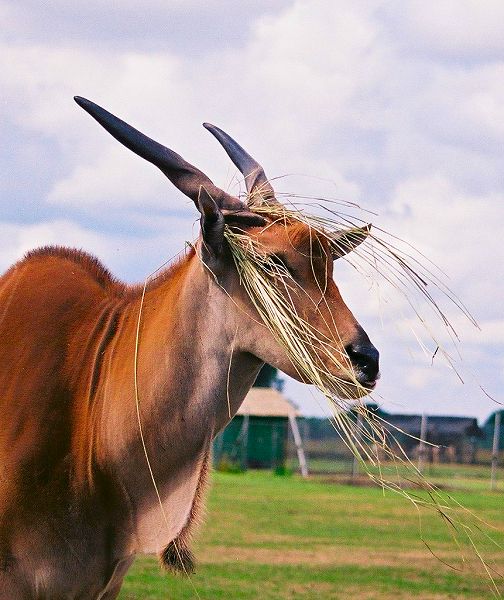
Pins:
x: 80, y: 415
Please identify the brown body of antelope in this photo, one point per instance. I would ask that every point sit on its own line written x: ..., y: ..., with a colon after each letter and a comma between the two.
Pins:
x: 77, y: 500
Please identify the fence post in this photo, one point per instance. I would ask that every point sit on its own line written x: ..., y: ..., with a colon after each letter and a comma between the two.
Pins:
x: 495, y: 450
x: 355, y: 461
x: 299, y: 445
x: 422, y: 448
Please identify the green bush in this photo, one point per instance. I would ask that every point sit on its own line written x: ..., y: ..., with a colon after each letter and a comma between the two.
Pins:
x: 227, y: 465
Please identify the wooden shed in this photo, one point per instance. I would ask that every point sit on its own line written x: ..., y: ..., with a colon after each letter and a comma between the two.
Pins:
x: 487, y: 440
x: 257, y: 435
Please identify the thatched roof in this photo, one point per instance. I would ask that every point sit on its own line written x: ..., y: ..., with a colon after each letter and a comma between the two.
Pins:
x: 266, y: 402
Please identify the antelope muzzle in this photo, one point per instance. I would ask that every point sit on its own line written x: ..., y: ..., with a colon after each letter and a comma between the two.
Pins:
x: 365, y: 360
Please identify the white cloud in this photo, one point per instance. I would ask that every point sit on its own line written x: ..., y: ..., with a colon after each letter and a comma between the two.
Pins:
x: 117, y: 180
x: 458, y: 231
x: 191, y: 27
x: 18, y: 239
x: 453, y: 28
x: 118, y: 252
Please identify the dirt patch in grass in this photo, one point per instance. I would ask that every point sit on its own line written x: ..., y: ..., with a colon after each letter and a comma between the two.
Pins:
x: 365, y: 481
x: 323, y: 556
x: 370, y: 594
x: 309, y: 590
x: 277, y: 538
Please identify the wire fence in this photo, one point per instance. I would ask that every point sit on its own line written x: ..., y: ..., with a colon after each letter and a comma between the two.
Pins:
x: 463, y: 460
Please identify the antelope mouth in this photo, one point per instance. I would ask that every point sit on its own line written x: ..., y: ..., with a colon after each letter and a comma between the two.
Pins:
x: 361, y: 380
x: 356, y: 388
x: 368, y: 384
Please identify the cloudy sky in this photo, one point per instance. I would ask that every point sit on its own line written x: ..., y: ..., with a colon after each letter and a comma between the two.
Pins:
x: 396, y: 106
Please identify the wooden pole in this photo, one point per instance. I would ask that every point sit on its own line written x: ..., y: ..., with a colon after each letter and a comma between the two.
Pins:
x: 355, y: 461
x: 495, y: 450
x: 299, y: 444
x: 422, y: 448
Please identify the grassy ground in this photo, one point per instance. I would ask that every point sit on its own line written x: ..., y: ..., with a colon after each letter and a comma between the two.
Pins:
x: 476, y: 477
x: 273, y: 537
x: 450, y: 476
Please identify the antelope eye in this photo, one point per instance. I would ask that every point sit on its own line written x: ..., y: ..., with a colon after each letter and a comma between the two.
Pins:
x: 280, y: 261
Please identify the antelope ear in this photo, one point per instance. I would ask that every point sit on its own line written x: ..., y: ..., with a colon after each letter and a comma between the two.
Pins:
x: 212, y: 222
x: 347, y: 240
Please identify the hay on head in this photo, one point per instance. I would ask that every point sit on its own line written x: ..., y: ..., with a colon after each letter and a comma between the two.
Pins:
x: 269, y: 285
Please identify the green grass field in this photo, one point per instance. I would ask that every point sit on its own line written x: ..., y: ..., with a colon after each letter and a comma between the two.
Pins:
x: 273, y: 537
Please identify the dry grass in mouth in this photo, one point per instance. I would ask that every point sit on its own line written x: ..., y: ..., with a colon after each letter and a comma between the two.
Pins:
x: 382, y: 261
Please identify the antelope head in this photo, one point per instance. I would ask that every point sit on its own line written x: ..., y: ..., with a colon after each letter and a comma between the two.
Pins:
x: 303, y: 257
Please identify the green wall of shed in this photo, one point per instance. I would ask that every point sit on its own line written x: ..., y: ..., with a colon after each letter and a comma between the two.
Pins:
x: 266, y: 446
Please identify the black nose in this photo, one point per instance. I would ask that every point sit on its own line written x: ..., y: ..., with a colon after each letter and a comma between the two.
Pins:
x: 365, y: 358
